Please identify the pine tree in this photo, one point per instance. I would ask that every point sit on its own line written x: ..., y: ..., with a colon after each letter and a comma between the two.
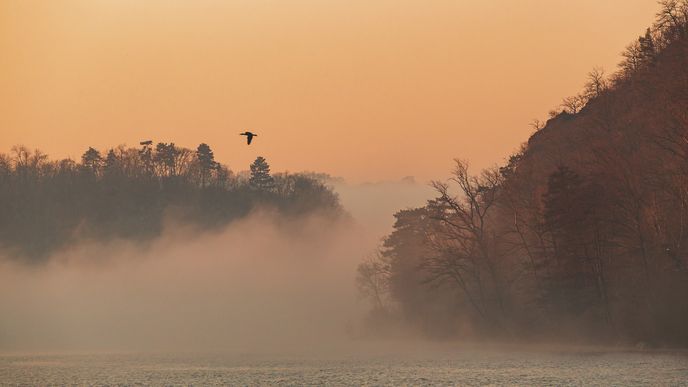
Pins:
x: 206, y: 161
x: 110, y: 159
x: 647, y: 48
x: 578, y: 242
x: 166, y: 157
x: 146, y: 157
x: 91, y: 160
x: 111, y: 163
x: 562, y: 190
x: 260, y: 175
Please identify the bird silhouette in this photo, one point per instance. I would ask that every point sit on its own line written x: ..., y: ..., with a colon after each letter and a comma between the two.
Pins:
x: 249, y: 136
x: 148, y: 142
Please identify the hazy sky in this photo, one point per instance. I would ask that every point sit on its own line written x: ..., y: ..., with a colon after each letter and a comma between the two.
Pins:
x: 366, y: 90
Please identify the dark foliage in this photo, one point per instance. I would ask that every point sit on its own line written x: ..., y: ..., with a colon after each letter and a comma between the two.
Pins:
x: 583, y: 234
x: 46, y: 205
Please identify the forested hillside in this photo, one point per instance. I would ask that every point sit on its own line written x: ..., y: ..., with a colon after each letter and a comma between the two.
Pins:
x: 583, y: 234
x: 129, y: 193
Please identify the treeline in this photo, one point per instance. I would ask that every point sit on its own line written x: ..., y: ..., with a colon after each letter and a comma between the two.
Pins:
x: 129, y: 193
x: 583, y: 234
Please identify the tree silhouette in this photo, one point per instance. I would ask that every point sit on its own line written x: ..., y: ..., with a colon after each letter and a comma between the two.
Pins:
x: 111, y: 164
x: 165, y: 155
x: 206, y: 162
x: 646, y: 44
x: 91, y: 160
x: 563, y: 187
x: 464, y: 251
x: 146, y: 158
x: 44, y: 202
x: 596, y: 83
x: 260, y: 178
x: 573, y: 104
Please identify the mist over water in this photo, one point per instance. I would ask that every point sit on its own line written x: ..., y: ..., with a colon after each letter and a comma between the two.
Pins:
x: 264, y: 283
x: 266, y: 300
x: 157, y: 264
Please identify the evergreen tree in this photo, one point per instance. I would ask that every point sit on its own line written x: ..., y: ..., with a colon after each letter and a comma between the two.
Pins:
x: 647, y: 48
x: 562, y: 190
x: 91, y: 160
x: 206, y: 161
x: 261, y: 179
x: 146, y: 157
x: 166, y: 157
x: 126, y: 194
x: 111, y: 161
x: 572, y: 211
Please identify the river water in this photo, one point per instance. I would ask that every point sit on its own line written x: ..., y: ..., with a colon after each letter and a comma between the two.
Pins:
x: 446, y: 367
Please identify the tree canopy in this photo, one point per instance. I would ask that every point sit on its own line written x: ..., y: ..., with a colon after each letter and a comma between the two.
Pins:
x: 129, y: 194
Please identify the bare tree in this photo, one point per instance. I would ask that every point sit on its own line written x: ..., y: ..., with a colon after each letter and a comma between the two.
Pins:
x: 372, y: 279
x: 672, y: 18
x: 632, y: 59
x: 464, y: 252
x: 536, y: 124
x: 573, y: 104
x: 596, y: 83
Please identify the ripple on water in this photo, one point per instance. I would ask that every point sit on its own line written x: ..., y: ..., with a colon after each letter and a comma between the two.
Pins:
x: 447, y: 368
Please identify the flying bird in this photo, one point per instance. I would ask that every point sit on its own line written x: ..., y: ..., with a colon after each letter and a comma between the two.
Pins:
x: 249, y: 136
x: 148, y: 142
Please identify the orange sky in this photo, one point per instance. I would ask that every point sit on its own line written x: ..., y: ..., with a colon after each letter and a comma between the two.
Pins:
x: 366, y: 90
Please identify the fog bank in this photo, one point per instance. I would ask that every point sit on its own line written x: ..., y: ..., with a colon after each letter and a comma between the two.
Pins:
x: 262, y: 284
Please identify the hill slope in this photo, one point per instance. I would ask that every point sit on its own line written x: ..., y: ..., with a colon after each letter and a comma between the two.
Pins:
x: 583, y: 234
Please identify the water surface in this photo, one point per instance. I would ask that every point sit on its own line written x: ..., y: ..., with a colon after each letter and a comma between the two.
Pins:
x: 447, y: 367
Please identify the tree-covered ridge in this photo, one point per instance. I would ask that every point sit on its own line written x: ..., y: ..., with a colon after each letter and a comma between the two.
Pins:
x: 128, y: 193
x: 583, y: 234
